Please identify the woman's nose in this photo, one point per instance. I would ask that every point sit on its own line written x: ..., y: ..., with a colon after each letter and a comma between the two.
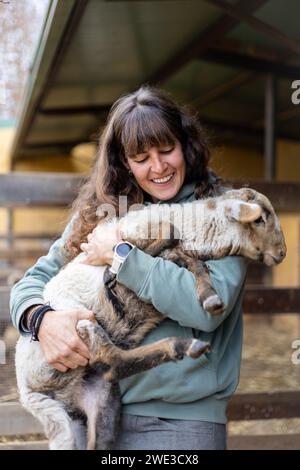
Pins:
x: 158, y: 166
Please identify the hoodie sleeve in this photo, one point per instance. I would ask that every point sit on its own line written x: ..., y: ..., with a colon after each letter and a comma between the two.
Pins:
x: 29, y: 290
x: 172, y: 290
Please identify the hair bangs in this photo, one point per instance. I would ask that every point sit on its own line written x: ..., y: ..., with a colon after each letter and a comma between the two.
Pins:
x: 145, y: 127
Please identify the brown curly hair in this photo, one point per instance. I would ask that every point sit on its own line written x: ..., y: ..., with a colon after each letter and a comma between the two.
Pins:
x: 139, y: 121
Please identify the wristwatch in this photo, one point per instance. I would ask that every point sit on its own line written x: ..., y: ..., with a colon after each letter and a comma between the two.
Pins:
x: 121, y: 251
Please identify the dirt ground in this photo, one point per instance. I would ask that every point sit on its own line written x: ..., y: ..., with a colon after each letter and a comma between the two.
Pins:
x: 267, y: 366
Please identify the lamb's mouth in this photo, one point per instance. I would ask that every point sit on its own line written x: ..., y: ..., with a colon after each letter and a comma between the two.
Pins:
x: 271, y: 260
x: 163, y: 180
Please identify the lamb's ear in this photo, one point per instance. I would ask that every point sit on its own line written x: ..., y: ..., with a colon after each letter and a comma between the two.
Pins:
x: 243, y: 212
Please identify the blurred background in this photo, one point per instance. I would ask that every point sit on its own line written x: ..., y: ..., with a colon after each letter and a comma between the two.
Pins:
x: 236, y: 63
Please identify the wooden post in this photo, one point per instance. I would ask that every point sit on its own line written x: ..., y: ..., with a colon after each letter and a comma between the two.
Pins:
x: 270, y: 141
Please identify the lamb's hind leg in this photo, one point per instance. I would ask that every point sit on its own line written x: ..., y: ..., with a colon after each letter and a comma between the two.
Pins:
x: 146, y: 357
x: 56, y: 422
x: 123, y: 363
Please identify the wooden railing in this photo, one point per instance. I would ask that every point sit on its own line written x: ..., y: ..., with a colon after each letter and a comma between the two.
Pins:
x: 58, y: 190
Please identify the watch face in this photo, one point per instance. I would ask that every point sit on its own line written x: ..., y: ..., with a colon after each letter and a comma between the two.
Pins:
x: 123, y: 249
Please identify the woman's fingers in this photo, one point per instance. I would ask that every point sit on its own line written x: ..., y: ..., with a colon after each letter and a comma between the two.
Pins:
x: 60, y: 367
x: 60, y: 342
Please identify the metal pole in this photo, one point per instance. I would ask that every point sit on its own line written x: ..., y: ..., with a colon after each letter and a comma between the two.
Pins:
x: 270, y: 141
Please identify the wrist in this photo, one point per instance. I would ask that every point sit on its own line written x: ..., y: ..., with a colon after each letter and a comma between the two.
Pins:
x: 36, y: 320
x: 110, y: 253
x: 27, y: 315
x: 120, y: 253
x: 109, y: 257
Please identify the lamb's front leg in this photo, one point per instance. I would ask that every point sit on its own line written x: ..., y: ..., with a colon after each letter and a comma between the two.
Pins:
x: 206, y: 293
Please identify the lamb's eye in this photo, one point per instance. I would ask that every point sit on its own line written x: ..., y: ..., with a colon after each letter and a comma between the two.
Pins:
x: 258, y: 221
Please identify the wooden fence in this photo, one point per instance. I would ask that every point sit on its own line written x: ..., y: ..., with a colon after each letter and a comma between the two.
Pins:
x: 58, y: 190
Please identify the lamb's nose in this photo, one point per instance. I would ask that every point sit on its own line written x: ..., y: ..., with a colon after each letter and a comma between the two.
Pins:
x: 282, y: 254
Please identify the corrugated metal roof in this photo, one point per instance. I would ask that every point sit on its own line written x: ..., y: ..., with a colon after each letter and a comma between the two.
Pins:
x: 91, y: 51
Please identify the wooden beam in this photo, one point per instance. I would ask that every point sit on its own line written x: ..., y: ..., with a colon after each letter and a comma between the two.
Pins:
x: 240, y: 14
x: 270, y: 128
x: 15, y: 420
x: 220, y: 90
x: 258, y: 300
x: 285, y: 196
x: 19, y: 189
x: 252, y: 62
x: 201, y: 42
x: 4, y: 305
x: 264, y: 442
x: 272, y: 405
x: 72, y: 110
x: 271, y: 300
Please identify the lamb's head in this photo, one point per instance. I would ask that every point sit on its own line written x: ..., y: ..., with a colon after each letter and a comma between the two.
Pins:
x: 258, y: 228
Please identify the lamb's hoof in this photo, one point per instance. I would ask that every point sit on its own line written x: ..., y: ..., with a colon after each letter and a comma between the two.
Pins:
x: 85, y: 328
x: 214, y: 305
x: 198, y: 348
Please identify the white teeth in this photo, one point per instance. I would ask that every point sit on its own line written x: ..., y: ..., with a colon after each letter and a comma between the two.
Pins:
x: 163, y: 180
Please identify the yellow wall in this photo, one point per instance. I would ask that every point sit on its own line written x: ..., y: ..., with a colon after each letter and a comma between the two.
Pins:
x: 288, y: 161
x: 6, y: 138
x: 236, y: 163
x: 287, y: 274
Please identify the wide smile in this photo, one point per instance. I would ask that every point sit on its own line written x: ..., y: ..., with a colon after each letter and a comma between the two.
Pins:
x: 163, y: 181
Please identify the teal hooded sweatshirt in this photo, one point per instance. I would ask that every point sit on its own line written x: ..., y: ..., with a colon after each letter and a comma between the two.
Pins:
x: 195, y: 389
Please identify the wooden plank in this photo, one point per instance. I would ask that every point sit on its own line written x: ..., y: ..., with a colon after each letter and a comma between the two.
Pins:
x: 257, y: 300
x: 251, y: 62
x: 15, y: 420
x: 241, y: 15
x: 25, y: 445
x: 265, y: 405
x: 260, y: 442
x: 15, y: 254
x: 271, y: 300
x: 4, y: 304
x: 255, y: 442
x: 38, y: 189
x: 284, y: 196
x: 60, y: 189
x: 271, y: 442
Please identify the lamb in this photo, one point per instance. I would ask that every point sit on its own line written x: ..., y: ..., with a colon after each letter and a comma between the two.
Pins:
x: 84, y: 404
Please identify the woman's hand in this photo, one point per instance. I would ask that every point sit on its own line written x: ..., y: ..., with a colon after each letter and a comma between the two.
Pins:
x: 99, y: 249
x: 59, y: 340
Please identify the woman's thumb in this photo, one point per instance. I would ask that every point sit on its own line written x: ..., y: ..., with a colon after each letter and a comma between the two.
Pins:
x: 86, y: 315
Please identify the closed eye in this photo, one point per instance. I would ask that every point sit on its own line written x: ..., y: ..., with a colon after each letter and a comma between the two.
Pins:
x: 166, y: 151
x: 260, y: 220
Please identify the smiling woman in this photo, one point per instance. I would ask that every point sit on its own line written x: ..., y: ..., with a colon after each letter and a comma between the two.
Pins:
x: 159, y: 171
x: 151, y: 151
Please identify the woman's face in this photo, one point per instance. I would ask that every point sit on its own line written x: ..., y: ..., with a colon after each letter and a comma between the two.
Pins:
x: 159, y: 171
